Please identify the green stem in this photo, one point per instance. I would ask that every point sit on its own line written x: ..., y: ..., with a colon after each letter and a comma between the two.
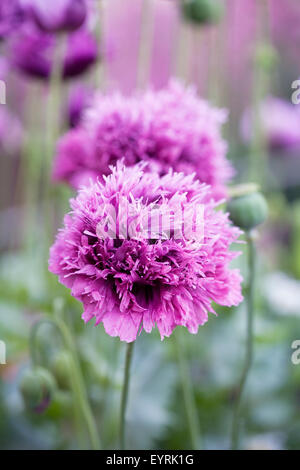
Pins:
x: 76, y: 375
x: 249, y: 347
x: 145, y: 46
x: 52, y: 130
x: 188, y: 394
x: 124, y: 397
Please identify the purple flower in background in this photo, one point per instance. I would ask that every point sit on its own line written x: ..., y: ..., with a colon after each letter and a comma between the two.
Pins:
x: 32, y: 51
x: 57, y: 15
x: 285, y: 17
x: 79, y: 99
x: 280, y: 124
x: 170, y: 128
x: 11, y: 15
x: 3, y: 67
x: 135, y: 283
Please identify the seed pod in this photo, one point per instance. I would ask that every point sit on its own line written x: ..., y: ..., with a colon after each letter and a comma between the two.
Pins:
x: 202, y: 11
x: 248, y: 211
x: 61, y: 368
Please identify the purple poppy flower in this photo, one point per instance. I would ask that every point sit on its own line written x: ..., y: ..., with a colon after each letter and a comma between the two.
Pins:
x: 57, y: 15
x: 135, y: 282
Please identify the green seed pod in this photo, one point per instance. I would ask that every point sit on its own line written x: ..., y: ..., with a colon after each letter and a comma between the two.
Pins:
x: 202, y: 11
x: 61, y: 368
x: 248, y: 211
x: 37, y: 388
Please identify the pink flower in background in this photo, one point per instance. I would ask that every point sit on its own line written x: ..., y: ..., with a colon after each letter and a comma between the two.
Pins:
x: 170, y: 128
x: 57, y: 15
x: 31, y: 51
x: 132, y: 284
x: 279, y: 122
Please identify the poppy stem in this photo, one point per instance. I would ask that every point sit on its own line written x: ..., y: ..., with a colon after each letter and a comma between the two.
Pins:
x: 188, y: 394
x: 249, y: 347
x: 124, y: 397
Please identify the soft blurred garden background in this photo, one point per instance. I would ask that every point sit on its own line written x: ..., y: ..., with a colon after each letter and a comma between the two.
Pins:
x: 244, y: 59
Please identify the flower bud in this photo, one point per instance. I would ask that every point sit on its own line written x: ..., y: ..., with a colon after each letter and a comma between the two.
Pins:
x: 61, y: 368
x: 248, y: 211
x: 51, y: 17
x: 37, y: 388
x: 202, y: 11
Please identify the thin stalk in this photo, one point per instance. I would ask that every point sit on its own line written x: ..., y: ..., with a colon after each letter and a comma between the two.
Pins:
x: 100, y: 69
x: 124, y: 396
x: 249, y: 345
x: 188, y: 394
x: 77, y: 381
x: 258, y: 156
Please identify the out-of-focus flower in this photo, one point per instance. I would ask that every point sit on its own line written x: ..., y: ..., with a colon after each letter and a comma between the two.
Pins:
x: 279, y: 121
x: 121, y: 39
x: 202, y: 11
x: 79, y: 99
x: 32, y: 52
x: 57, y: 15
x: 37, y: 387
x: 11, y: 15
x: 248, y: 211
x: 170, y: 128
x: 130, y: 283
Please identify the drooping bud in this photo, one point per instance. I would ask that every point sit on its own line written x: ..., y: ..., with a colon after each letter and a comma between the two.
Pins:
x: 202, y: 11
x: 248, y: 211
x: 37, y: 388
